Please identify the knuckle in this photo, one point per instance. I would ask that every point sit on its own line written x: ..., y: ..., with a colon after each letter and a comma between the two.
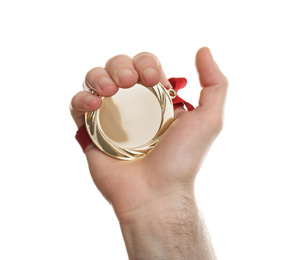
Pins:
x: 225, y: 81
x: 219, y: 124
x: 145, y: 55
x: 92, y: 76
x: 93, y: 71
x: 116, y: 59
x: 75, y: 101
x: 216, y: 124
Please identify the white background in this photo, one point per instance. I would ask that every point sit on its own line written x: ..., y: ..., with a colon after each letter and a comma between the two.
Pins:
x: 250, y: 188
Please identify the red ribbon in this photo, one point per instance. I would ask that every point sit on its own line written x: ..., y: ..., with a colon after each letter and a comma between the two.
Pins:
x: 177, y: 83
x: 83, y: 137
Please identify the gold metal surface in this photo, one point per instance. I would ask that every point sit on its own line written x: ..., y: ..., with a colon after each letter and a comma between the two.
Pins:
x: 128, y: 124
x: 172, y: 93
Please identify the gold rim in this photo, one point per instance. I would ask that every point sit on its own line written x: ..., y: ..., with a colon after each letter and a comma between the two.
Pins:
x: 107, y: 145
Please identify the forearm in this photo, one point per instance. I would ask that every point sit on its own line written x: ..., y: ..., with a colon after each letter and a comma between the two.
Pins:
x: 167, y: 228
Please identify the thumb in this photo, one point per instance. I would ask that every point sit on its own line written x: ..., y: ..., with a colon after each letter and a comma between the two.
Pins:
x: 214, y: 84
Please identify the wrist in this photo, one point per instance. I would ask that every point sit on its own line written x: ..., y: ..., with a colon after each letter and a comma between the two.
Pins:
x: 166, y: 228
x: 163, y: 202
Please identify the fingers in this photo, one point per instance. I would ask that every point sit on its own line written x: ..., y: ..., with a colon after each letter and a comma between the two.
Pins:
x: 149, y: 70
x: 81, y: 103
x: 120, y: 71
x: 99, y: 80
x: 214, y: 91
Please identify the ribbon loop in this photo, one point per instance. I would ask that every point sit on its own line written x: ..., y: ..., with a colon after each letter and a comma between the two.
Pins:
x: 177, y: 84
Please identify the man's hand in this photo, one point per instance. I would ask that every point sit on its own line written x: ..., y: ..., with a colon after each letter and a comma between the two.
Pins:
x: 157, y: 189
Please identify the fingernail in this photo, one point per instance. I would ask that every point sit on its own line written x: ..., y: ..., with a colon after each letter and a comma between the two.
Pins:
x: 210, y: 54
x: 88, y: 99
x: 124, y: 74
x: 213, y: 61
x: 149, y: 73
x: 105, y: 82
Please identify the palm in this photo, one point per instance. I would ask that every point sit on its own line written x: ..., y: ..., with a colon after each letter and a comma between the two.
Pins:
x: 128, y: 185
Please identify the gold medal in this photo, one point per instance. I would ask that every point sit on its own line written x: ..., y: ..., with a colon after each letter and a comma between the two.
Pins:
x: 129, y: 124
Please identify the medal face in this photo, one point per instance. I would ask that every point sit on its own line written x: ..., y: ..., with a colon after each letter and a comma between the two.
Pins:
x: 129, y: 124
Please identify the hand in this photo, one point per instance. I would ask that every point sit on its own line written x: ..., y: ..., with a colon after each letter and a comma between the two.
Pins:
x: 177, y: 157
x: 159, y: 186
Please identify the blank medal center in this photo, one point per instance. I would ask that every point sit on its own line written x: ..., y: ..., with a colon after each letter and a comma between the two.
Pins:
x: 131, y: 118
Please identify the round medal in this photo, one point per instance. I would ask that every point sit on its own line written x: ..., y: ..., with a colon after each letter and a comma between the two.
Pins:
x: 129, y: 124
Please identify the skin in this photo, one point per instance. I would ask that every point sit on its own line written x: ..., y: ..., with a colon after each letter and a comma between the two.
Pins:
x: 153, y: 197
